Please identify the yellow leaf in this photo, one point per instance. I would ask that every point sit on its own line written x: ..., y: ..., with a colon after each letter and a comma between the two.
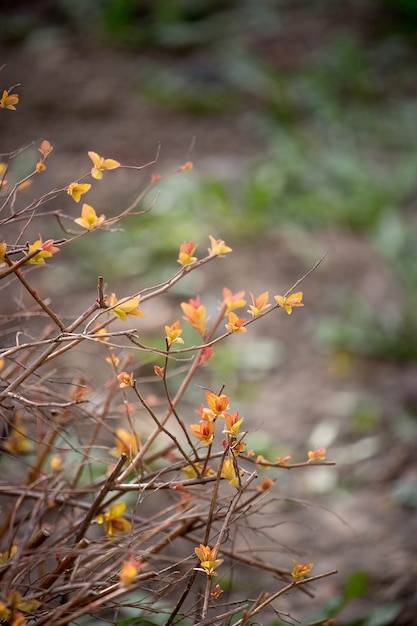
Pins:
x: 9, y: 100
x: 76, y: 190
x: 100, y: 164
x: 89, y: 219
x: 288, y: 302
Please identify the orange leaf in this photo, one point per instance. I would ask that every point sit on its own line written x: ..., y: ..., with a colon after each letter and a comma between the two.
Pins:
x: 289, y: 302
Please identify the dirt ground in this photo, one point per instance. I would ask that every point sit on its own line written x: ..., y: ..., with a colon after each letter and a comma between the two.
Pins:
x: 85, y: 97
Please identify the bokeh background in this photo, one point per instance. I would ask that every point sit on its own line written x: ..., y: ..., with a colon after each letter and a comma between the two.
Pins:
x: 300, y: 119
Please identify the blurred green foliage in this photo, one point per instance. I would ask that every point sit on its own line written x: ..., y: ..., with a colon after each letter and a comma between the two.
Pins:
x: 357, y: 586
x: 161, y: 23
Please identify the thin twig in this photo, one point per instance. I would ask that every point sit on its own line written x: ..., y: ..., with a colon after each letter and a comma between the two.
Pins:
x: 95, y: 506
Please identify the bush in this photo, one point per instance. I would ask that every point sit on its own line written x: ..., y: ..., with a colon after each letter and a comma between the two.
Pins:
x: 143, y: 539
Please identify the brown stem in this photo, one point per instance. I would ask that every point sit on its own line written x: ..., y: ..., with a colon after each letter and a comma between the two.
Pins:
x: 13, y: 267
x: 251, y: 613
x: 65, y: 564
x: 108, y: 486
x: 174, y: 412
x: 162, y: 427
x: 36, y: 296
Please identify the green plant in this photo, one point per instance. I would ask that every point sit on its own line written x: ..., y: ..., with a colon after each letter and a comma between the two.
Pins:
x: 356, y: 586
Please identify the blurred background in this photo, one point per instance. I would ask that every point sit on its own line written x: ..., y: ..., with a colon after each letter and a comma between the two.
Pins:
x: 300, y: 119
